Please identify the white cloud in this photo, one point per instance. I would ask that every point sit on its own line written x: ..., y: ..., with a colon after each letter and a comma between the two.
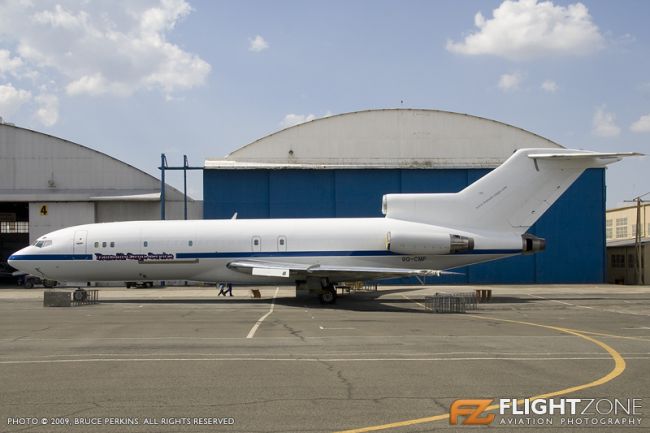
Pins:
x: 8, y: 63
x: 296, y: 119
x: 103, y: 48
x: 549, y: 86
x: 510, y: 82
x: 61, y: 18
x: 155, y: 20
x: 604, y: 123
x: 90, y: 85
x: 641, y: 125
x: 48, y: 109
x: 526, y: 29
x: 11, y: 99
x: 257, y: 44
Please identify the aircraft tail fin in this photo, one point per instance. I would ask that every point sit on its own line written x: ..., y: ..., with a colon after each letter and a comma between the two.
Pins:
x: 510, y: 198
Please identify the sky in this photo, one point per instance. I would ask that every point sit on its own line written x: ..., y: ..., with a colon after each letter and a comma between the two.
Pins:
x: 136, y: 78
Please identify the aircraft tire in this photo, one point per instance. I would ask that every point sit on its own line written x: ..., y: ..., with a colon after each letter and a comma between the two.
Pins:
x: 29, y: 283
x: 80, y: 295
x: 328, y: 296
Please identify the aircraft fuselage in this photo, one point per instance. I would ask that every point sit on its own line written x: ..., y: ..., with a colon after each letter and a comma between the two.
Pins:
x: 201, y: 250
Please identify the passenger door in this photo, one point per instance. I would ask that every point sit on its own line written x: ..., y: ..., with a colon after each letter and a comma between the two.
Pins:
x: 79, y: 245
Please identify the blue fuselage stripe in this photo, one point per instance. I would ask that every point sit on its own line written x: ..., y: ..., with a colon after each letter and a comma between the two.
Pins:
x: 51, y: 257
x: 238, y: 255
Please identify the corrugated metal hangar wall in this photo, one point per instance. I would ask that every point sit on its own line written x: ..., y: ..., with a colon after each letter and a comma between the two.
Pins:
x: 47, y: 183
x: 309, y: 183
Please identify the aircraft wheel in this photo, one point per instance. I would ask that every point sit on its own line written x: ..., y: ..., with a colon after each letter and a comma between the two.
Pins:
x: 80, y: 295
x: 328, y: 296
x: 29, y: 283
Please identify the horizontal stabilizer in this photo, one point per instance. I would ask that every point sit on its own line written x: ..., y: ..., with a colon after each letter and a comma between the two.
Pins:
x: 584, y: 155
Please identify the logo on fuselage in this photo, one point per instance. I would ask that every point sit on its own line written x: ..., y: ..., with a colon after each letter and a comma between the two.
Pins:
x: 131, y: 256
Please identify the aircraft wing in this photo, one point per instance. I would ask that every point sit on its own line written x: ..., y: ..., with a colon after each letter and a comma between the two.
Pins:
x: 333, y: 272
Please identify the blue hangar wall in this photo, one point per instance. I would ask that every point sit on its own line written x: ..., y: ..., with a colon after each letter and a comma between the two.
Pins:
x: 574, y: 226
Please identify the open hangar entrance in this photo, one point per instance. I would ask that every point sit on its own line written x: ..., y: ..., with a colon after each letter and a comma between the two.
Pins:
x: 14, y: 228
x: 341, y: 166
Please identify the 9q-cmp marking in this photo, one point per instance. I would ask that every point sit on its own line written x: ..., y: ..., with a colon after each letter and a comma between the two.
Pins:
x: 409, y: 259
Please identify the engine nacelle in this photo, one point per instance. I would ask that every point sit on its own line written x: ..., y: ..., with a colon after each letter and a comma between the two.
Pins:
x: 428, y: 243
x: 532, y: 244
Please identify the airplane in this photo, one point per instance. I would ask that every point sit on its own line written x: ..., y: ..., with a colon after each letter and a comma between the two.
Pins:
x: 420, y: 235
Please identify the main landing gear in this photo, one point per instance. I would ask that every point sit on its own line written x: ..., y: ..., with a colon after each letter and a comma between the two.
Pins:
x: 328, y: 295
x: 318, y: 286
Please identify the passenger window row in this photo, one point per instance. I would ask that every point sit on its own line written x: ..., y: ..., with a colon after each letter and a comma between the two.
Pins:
x: 105, y: 244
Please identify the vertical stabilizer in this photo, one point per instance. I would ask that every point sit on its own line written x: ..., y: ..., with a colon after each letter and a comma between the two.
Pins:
x: 509, y: 198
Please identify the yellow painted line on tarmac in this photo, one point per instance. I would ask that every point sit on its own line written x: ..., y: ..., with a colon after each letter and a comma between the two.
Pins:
x: 619, y: 367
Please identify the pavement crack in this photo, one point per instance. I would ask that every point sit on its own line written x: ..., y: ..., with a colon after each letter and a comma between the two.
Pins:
x: 292, y: 331
x: 349, y: 388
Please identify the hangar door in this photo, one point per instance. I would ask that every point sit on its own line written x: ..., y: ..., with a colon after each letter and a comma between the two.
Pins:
x: 45, y: 217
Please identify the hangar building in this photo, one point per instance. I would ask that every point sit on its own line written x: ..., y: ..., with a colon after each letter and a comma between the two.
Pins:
x: 627, y: 263
x: 341, y: 166
x: 47, y: 183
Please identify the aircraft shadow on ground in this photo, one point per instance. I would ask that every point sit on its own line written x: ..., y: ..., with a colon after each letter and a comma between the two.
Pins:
x: 360, y: 301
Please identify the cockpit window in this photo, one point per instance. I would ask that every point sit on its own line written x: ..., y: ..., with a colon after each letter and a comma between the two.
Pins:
x: 43, y: 244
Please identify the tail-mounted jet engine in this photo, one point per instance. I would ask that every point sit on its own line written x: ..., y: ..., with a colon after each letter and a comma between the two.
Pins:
x: 427, y: 243
x: 532, y: 244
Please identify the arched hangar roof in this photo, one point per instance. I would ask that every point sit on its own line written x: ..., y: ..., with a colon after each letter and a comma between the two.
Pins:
x: 40, y: 167
x: 390, y: 138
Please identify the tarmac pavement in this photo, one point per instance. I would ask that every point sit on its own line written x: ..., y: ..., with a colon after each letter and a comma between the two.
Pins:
x: 183, y: 359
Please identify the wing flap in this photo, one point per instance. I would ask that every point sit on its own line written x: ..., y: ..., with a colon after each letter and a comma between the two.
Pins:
x: 333, y: 272
x: 271, y: 272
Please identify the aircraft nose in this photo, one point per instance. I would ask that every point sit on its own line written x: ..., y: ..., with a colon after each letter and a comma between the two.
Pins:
x: 11, y: 261
x: 15, y: 260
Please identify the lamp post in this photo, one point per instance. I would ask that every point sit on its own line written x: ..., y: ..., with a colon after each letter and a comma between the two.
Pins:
x: 639, y: 276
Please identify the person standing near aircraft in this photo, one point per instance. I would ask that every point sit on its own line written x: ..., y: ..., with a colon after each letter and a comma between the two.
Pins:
x: 225, y: 289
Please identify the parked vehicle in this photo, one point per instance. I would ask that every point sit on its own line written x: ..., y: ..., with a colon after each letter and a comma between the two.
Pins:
x: 30, y: 281
x: 7, y: 274
x: 139, y: 284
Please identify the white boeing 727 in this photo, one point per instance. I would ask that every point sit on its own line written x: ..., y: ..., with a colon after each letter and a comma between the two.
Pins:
x: 420, y: 235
